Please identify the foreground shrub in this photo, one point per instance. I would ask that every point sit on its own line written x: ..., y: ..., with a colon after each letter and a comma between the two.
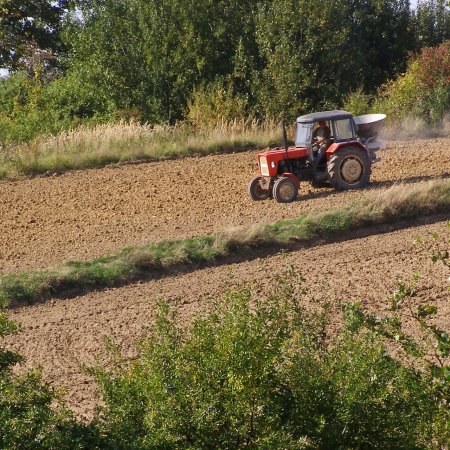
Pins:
x: 30, y: 413
x: 357, y: 102
x: 414, y: 331
x: 263, y: 373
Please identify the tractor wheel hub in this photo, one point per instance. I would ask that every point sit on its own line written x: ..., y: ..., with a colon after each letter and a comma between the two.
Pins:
x: 351, y: 170
x: 286, y: 190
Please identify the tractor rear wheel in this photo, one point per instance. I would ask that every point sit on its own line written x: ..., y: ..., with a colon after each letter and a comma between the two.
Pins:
x: 285, y: 190
x: 349, y: 168
x: 256, y: 191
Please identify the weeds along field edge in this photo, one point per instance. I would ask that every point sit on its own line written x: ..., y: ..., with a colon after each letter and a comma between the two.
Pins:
x: 89, y: 147
x: 97, y: 146
x: 397, y: 203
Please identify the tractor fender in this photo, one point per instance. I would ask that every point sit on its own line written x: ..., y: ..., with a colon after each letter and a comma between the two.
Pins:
x: 334, y: 148
x: 293, y: 178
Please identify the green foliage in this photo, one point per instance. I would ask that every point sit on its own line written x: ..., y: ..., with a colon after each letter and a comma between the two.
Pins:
x: 155, y: 61
x: 29, y: 418
x: 422, y: 91
x: 261, y: 372
x: 432, y: 22
x: 315, y: 52
x: 152, y: 55
x: 30, y: 107
x: 30, y: 32
x: 7, y: 326
x: 382, y: 35
x: 357, y: 102
x: 214, y: 104
x: 31, y: 415
x: 300, y: 50
x: 429, y: 345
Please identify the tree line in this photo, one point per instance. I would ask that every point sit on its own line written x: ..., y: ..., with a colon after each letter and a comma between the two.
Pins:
x: 102, y: 60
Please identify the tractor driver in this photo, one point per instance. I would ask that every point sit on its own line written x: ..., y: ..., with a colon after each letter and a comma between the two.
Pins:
x: 321, y: 139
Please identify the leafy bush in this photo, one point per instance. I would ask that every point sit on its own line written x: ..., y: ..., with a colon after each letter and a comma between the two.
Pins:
x: 422, y: 91
x: 31, y: 415
x: 214, y: 104
x: 31, y: 107
x: 357, y: 102
x: 263, y: 373
x: 428, y: 346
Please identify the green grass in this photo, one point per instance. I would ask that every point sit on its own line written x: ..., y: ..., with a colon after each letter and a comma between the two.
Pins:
x: 400, y: 202
x: 89, y: 147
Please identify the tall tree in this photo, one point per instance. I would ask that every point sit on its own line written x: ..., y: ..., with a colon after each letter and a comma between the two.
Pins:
x: 432, y: 20
x: 151, y: 54
x: 307, y: 56
x: 29, y: 31
x: 315, y: 52
x: 382, y: 36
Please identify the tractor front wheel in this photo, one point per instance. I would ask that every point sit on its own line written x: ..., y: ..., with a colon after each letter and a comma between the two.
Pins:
x: 349, y: 168
x: 285, y: 190
x: 256, y: 191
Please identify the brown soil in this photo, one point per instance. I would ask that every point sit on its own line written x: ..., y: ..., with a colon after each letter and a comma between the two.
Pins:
x: 85, y: 214
x: 60, y: 335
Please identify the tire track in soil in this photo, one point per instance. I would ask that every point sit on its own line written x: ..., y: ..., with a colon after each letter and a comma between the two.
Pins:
x: 84, y: 214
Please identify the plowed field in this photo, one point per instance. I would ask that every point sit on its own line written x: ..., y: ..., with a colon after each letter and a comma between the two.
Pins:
x: 84, y: 214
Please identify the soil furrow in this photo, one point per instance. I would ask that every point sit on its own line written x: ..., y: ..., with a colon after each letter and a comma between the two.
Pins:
x: 60, y: 335
x: 84, y: 214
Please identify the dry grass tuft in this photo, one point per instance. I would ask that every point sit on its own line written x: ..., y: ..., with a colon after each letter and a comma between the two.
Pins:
x: 86, y: 147
x: 405, y: 200
x: 236, y: 237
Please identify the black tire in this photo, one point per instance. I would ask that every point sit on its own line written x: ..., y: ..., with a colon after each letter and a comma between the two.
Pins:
x: 349, y: 168
x: 255, y: 190
x: 285, y: 190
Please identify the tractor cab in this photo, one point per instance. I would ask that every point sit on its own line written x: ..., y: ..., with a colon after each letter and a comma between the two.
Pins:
x: 330, y: 146
x: 339, y: 125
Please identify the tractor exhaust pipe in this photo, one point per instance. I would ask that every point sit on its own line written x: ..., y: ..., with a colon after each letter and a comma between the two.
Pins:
x: 285, y: 142
x: 286, y: 146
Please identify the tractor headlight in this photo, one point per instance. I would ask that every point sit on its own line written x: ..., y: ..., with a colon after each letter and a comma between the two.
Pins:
x: 263, y: 166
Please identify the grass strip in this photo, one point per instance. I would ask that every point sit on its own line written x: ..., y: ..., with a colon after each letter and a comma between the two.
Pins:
x: 397, y: 203
x: 90, y: 147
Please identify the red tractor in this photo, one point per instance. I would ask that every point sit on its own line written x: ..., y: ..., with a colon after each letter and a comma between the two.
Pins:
x: 330, y: 146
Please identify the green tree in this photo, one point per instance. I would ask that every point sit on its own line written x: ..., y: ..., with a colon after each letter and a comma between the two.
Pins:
x: 30, y: 32
x: 316, y: 52
x: 432, y: 22
x: 381, y: 36
x: 304, y: 54
x: 150, y: 55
